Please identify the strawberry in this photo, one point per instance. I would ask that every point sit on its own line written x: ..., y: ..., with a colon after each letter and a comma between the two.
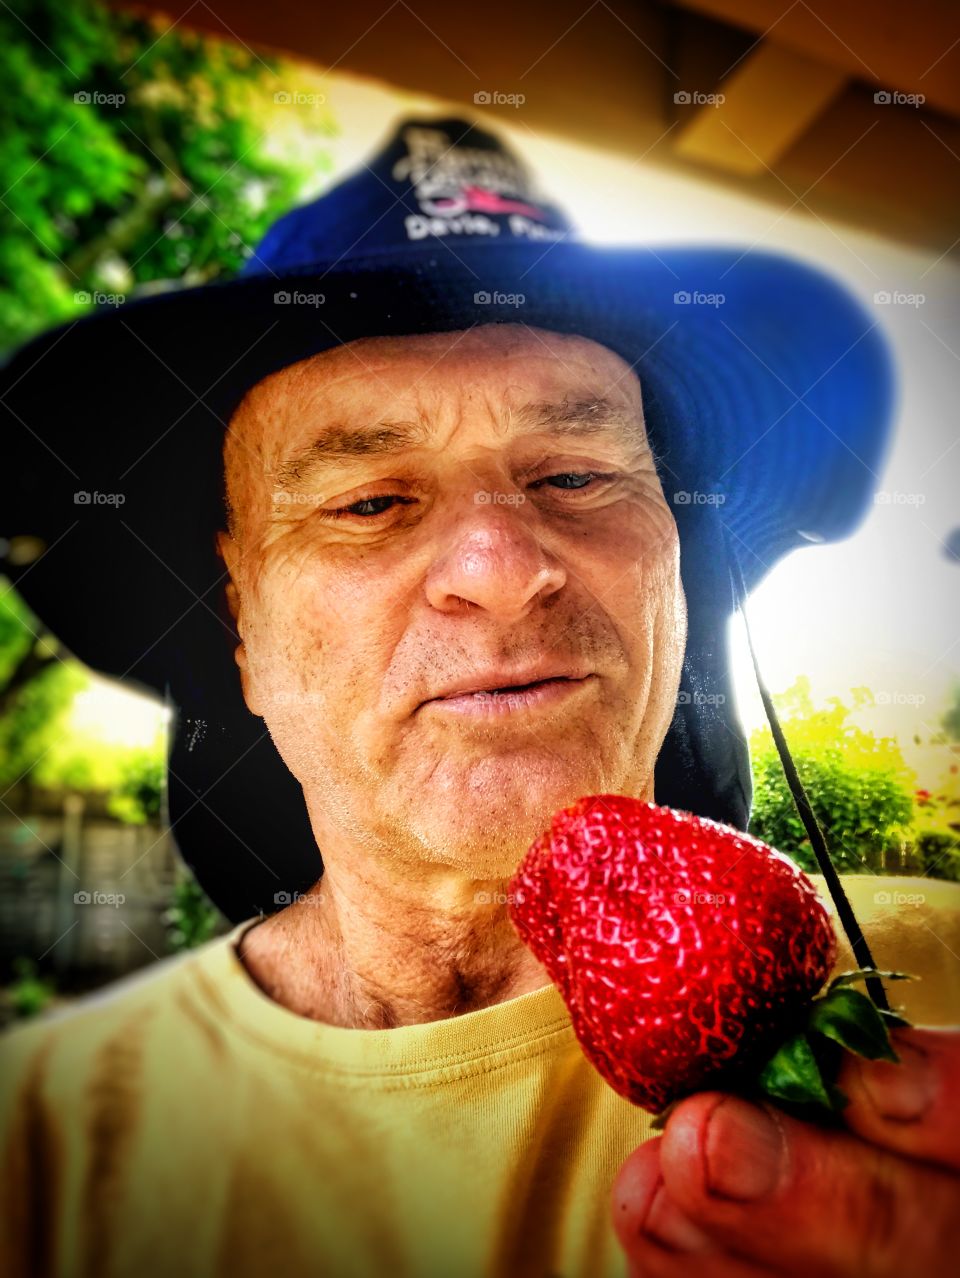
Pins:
x: 689, y: 955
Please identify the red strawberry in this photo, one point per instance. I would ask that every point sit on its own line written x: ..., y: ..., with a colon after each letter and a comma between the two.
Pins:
x: 688, y: 953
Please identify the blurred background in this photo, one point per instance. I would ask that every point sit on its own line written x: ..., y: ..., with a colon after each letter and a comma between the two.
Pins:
x: 147, y: 147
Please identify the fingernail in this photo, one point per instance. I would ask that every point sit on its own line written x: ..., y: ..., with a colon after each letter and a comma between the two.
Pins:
x: 901, y: 1093
x: 743, y: 1150
x: 666, y: 1224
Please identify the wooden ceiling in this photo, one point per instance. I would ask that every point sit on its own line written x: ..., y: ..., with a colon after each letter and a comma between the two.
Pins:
x: 847, y: 109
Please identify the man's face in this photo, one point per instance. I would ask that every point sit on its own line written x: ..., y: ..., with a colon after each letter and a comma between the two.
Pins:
x: 416, y: 514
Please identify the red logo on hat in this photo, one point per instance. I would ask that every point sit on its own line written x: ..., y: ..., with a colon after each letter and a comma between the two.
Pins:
x: 480, y: 199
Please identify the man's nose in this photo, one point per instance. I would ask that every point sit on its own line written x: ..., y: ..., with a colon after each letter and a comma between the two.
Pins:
x: 493, y: 560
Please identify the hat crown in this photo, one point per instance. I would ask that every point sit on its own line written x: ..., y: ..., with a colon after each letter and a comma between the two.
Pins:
x: 441, y: 179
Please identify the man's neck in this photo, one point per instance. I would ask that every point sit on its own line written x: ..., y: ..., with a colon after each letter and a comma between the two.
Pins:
x: 382, y: 949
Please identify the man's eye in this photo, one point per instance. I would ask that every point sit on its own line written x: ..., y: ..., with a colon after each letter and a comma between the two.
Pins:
x: 366, y: 507
x: 370, y: 507
x: 577, y: 479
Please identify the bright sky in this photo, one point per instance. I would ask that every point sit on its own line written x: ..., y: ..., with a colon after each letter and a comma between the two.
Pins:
x: 880, y: 608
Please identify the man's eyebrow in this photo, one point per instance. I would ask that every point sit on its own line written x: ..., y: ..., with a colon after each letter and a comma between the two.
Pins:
x: 337, y: 444
x: 582, y: 415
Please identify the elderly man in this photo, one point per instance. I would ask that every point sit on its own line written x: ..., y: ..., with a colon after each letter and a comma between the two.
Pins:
x: 458, y: 599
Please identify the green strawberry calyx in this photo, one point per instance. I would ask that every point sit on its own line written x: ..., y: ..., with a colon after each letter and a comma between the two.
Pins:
x: 800, y: 1075
x: 803, y: 1069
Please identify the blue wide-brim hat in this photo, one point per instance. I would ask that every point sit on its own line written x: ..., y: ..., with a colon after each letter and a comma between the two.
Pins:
x: 767, y: 391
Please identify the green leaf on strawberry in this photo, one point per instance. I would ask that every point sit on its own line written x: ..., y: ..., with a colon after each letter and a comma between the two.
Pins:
x: 853, y: 1021
x: 793, y: 1074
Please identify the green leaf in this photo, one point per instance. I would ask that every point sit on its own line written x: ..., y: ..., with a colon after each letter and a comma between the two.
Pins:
x: 851, y: 1019
x: 792, y: 1074
x: 863, y: 973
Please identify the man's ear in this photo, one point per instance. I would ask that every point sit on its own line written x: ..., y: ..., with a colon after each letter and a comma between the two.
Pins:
x: 229, y: 551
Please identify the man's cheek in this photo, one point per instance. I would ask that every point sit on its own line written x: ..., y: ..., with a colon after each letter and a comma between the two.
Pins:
x: 286, y: 652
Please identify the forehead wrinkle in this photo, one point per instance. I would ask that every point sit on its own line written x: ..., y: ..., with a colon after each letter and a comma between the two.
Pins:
x: 582, y: 413
x: 342, y: 443
x: 577, y: 415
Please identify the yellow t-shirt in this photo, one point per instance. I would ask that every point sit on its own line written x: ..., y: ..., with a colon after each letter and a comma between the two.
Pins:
x: 183, y: 1125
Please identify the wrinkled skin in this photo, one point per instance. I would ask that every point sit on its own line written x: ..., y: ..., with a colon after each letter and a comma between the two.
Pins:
x: 348, y: 625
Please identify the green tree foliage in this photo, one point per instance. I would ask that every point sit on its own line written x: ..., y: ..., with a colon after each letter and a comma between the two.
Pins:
x: 132, y: 154
x: 38, y: 684
x: 938, y: 807
x: 30, y: 994
x: 37, y: 687
x: 138, y: 794
x: 192, y: 917
x: 860, y: 787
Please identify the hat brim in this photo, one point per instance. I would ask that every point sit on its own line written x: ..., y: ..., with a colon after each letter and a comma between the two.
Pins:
x: 768, y: 394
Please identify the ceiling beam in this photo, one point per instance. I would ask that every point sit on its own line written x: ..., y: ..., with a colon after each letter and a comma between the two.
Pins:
x: 914, y: 48
x: 760, y: 109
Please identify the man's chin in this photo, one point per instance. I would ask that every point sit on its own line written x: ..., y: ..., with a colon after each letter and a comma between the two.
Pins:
x: 488, y: 822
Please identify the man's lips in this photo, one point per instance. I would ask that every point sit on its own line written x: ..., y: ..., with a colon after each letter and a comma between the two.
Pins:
x: 502, y: 680
x: 509, y: 699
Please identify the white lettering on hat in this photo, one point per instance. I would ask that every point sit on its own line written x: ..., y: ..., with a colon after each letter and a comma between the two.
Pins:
x: 451, y: 182
x: 419, y: 227
x: 532, y: 231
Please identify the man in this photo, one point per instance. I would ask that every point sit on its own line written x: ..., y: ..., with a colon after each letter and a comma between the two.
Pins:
x: 462, y: 598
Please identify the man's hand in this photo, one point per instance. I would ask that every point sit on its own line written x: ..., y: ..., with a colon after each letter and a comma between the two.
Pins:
x: 737, y: 1190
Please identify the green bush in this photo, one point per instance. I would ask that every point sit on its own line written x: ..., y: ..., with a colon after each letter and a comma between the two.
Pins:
x: 939, y: 855
x: 192, y: 918
x: 138, y: 796
x: 29, y: 994
x: 859, y: 787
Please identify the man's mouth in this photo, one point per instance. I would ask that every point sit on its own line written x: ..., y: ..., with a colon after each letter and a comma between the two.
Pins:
x: 511, y: 698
